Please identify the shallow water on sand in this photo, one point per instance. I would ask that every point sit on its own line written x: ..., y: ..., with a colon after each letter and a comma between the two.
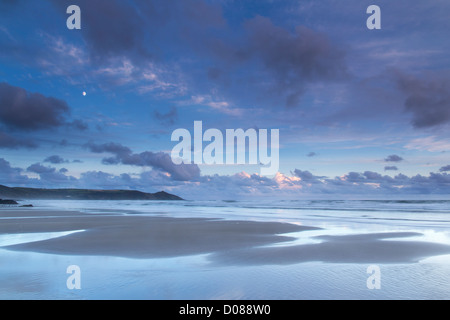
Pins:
x: 41, y: 276
x: 33, y: 275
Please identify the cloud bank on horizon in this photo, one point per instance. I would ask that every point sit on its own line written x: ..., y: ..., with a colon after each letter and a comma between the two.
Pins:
x: 360, y: 112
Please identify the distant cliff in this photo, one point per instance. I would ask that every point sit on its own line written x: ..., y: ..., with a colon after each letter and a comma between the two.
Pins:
x: 81, y: 194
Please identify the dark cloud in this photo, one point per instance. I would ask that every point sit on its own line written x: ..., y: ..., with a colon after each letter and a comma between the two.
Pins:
x: 445, y: 169
x: 135, y: 29
x: 78, y: 125
x: 168, y: 118
x: 288, y: 61
x: 160, y: 160
x: 354, y: 183
x: 39, y: 169
x: 302, y: 54
x: 10, y: 175
x: 229, y: 187
x: 101, y: 179
x: 115, y: 148
x: 291, y: 60
x: 376, y: 183
x: 200, y: 14
x: 390, y: 168
x: 427, y: 98
x: 365, y: 177
x: 311, y: 154
x: 9, y: 142
x: 306, y: 176
x: 215, y: 58
x: 110, y: 27
x: 224, y: 187
x: 147, y: 181
x: 55, y: 160
x: 393, y: 158
x: 23, y: 110
x: 163, y: 161
x: 50, y: 176
x: 372, y: 176
x: 354, y: 177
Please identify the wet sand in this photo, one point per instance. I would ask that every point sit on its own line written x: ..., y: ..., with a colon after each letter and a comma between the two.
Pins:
x: 360, y: 248
x: 227, y: 242
x: 140, y: 236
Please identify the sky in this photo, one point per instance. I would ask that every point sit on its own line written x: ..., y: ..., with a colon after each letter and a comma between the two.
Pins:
x: 361, y: 113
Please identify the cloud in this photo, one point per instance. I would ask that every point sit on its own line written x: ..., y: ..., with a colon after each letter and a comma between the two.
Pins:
x: 160, y: 161
x: 216, y: 105
x: 55, y: 160
x: 49, y: 176
x: 292, y: 59
x: 116, y: 28
x: 103, y: 180
x: 371, y: 184
x: 311, y: 154
x: 303, y: 183
x: 23, y: 110
x: 9, y: 142
x: 163, y: 161
x: 307, y: 176
x: 168, y: 118
x: 138, y: 42
x: 270, y: 65
x: 112, y: 147
x: 427, y: 97
x: 393, y: 158
x: 149, y: 181
x: 40, y: 169
x: 306, y: 53
x: 10, y: 175
x: 445, y: 169
x: 431, y: 144
x: 242, y: 185
x: 79, y: 125
x: 110, y: 27
x: 390, y: 168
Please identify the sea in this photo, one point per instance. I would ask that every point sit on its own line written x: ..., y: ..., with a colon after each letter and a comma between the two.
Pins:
x: 32, y: 275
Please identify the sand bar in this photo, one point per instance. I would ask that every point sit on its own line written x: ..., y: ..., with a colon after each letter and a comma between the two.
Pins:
x: 140, y: 236
x: 369, y: 248
x: 227, y: 242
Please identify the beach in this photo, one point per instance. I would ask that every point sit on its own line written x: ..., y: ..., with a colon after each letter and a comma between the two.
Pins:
x: 224, y: 250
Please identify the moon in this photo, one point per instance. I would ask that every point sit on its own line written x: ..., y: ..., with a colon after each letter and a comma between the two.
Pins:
x: 84, y: 93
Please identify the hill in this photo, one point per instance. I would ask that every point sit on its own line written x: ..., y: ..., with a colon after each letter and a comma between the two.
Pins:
x: 81, y: 194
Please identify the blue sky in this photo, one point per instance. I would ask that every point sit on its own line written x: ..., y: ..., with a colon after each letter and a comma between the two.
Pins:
x: 361, y: 112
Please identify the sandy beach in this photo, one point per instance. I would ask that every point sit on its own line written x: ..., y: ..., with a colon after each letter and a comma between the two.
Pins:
x: 228, y: 242
x: 223, y: 250
x: 139, y: 236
